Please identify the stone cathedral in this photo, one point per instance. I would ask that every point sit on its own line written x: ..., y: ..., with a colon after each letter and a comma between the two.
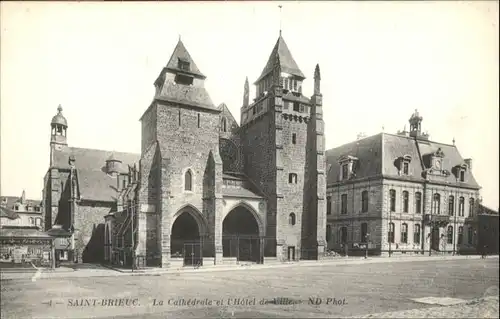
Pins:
x: 205, y: 190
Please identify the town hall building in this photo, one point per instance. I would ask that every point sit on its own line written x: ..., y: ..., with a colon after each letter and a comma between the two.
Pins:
x: 204, y: 190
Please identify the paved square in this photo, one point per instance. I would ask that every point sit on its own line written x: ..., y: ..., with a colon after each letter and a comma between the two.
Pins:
x: 311, y: 291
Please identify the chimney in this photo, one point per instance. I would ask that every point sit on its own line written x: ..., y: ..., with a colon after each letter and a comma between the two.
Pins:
x: 468, y: 162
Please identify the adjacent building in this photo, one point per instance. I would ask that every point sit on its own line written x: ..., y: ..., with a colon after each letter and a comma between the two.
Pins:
x: 22, y: 241
x: 401, y: 193
x: 19, y: 211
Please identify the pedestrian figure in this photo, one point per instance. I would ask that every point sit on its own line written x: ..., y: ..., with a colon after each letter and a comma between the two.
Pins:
x: 483, y: 254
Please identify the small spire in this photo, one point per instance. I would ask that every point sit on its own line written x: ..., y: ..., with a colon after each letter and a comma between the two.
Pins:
x: 383, y: 128
x: 280, y: 6
x: 453, y: 140
x: 59, y: 108
x: 179, y: 37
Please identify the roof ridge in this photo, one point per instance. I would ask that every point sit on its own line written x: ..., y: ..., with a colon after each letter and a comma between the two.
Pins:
x: 101, y: 150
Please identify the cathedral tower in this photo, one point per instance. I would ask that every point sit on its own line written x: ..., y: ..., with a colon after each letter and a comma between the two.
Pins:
x: 275, y: 134
x: 181, y: 170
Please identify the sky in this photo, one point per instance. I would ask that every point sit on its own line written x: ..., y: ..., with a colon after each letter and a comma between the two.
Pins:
x: 379, y: 62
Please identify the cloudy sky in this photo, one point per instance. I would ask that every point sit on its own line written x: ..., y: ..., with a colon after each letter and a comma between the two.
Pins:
x: 379, y: 62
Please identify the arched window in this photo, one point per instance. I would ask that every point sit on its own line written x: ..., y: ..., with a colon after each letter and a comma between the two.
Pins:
x: 471, y: 207
x: 416, y: 234
x: 451, y: 205
x: 32, y: 222
x: 364, y: 201
x: 405, y: 201
x: 364, y: 232
x: 418, y: 202
x: 188, y: 181
x: 460, y: 239
x: 404, y: 233
x: 292, y: 178
x: 390, y: 233
x: 223, y: 125
x: 392, y: 196
x: 436, y: 204
x: 328, y: 232
x: 450, y: 235
x: 461, y: 206
x: 291, y: 219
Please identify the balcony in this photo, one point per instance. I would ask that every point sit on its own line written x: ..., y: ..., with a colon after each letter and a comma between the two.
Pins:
x: 437, y: 220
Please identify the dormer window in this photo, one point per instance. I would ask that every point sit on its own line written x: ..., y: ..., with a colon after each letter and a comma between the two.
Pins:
x: 459, y: 171
x: 183, y: 65
x: 347, y: 167
x: 404, y: 165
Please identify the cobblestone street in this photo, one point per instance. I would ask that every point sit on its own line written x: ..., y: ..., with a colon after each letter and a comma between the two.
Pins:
x: 344, y: 291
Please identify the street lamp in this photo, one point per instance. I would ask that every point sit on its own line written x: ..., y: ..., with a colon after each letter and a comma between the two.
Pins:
x: 366, y: 247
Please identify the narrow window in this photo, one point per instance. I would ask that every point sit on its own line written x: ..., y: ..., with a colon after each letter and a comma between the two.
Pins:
x: 343, y: 200
x: 294, y: 138
x: 406, y: 168
x: 198, y: 119
x: 451, y: 205
x: 418, y: 202
x: 292, y: 178
x: 471, y: 207
x: 436, y: 204
x: 329, y: 205
x: 461, y: 207
x: 392, y: 195
x: 450, y: 235
x: 390, y: 234
x: 295, y: 85
x: 328, y: 232
x: 296, y: 106
x: 224, y: 125
x: 188, y: 181
x: 405, y: 201
x: 179, y: 117
x: 404, y: 233
x: 460, y: 238
x: 364, y: 232
x: 291, y: 219
x: 31, y: 220
x: 462, y: 176
x: 416, y: 234
x: 364, y: 201
x: 470, y: 235
x: 343, y: 235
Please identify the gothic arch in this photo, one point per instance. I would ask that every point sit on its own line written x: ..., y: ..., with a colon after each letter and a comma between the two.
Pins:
x: 252, y: 211
x: 196, y: 214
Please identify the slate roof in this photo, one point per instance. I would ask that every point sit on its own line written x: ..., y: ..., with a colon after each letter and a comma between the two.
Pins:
x: 32, y: 232
x: 186, y: 94
x: 10, y: 201
x: 247, y: 190
x: 486, y: 210
x: 287, y: 63
x: 94, y: 184
x: 377, y: 155
x: 9, y: 213
x: 180, y: 52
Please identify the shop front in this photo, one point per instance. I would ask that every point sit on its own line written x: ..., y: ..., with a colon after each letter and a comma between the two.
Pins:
x: 25, y: 247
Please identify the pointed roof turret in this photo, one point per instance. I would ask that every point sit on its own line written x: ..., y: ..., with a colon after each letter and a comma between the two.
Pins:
x: 287, y: 63
x: 181, y: 61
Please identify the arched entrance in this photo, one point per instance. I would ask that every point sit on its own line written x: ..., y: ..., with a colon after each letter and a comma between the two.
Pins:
x: 241, y: 236
x: 185, y: 239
